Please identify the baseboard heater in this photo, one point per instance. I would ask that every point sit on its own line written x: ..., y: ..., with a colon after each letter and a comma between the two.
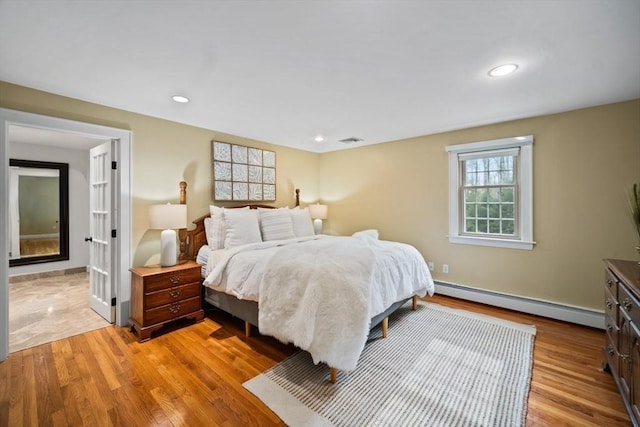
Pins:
x: 578, y: 315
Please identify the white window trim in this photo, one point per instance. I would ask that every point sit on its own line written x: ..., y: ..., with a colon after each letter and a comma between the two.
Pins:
x: 525, y: 192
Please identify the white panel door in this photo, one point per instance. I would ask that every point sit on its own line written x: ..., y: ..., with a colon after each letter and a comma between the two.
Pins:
x: 14, y: 214
x: 100, y: 254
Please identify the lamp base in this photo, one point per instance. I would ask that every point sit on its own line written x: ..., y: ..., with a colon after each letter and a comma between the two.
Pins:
x: 317, y: 226
x: 168, y: 248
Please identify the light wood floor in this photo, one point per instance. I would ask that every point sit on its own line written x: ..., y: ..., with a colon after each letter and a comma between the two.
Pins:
x: 193, y: 377
x: 50, y: 308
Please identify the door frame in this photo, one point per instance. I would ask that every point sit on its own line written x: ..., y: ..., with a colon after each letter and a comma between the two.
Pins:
x: 122, y: 216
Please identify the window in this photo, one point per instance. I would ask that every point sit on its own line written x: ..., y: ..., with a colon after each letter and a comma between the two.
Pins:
x: 490, y: 193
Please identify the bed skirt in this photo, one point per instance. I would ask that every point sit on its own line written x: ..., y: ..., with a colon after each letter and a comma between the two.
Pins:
x: 248, y: 310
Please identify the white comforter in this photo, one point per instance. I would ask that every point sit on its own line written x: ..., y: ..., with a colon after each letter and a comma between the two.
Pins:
x: 320, y: 293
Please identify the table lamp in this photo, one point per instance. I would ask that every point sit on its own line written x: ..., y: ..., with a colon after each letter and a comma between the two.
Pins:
x: 318, y: 213
x: 168, y: 218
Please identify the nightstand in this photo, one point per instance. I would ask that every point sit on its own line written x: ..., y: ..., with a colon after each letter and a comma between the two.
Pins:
x: 163, y: 294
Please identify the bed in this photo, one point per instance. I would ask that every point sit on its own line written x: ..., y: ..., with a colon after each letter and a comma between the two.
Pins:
x: 265, y: 266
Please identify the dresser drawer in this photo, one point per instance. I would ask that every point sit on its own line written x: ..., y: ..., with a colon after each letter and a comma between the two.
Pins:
x: 171, y: 311
x: 611, y: 283
x: 612, y: 330
x: 177, y: 293
x: 171, y: 279
x: 612, y: 357
x: 611, y: 304
x: 629, y: 304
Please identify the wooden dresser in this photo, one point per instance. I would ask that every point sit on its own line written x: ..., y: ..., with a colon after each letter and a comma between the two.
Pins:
x: 622, y: 323
x: 163, y: 294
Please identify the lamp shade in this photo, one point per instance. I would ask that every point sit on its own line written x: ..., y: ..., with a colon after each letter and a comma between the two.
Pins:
x: 318, y: 211
x: 168, y: 216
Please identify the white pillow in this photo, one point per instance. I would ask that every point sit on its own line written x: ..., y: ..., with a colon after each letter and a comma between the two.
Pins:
x: 241, y: 227
x: 276, y: 224
x: 217, y: 231
x: 301, y: 219
x: 208, y: 229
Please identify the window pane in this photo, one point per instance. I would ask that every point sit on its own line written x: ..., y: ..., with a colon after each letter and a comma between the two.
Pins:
x: 470, y: 165
x: 506, y: 194
x: 482, y: 211
x: 507, y: 227
x: 494, y: 212
x: 470, y: 226
x: 507, y: 177
x: 470, y: 178
x: 494, y: 163
x: 470, y: 195
x: 482, y: 226
x: 481, y: 195
x: 507, y: 211
x: 470, y: 210
x: 493, y: 195
x: 494, y: 226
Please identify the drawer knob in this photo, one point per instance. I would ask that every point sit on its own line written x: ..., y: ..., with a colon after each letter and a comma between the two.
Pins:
x: 174, y: 308
x: 609, y: 303
x: 609, y: 327
x: 626, y: 303
x: 175, y: 293
x: 174, y: 279
x: 610, y: 350
x: 609, y: 282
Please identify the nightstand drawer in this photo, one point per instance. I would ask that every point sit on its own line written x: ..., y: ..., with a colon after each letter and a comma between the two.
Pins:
x: 171, y: 311
x: 171, y: 279
x: 177, y: 293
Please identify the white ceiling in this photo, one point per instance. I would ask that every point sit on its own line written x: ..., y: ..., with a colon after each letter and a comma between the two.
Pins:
x: 60, y: 139
x: 286, y: 71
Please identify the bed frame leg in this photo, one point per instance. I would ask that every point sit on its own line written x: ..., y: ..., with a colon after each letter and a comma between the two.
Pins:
x: 247, y: 329
x: 414, y: 302
x: 333, y: 372
x: 385, y: 327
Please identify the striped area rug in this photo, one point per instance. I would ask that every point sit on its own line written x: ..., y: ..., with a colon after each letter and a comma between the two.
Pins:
x: 438, y: 367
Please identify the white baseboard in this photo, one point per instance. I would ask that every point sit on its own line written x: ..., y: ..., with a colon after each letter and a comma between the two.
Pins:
x: 579, y: 315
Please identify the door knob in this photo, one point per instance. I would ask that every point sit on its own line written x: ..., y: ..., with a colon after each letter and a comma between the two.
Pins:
x: 88, y: 239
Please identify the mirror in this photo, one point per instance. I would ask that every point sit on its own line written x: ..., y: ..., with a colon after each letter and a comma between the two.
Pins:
x: 38, y: 212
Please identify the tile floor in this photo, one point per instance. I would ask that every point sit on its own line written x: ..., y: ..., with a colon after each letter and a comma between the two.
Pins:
x: 47, y: 309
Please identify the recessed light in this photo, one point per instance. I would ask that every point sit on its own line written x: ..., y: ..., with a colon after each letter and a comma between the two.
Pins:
x: 503, y: 70
x: 521, y: 138
x: 181, y: 99
x: 318, y: 138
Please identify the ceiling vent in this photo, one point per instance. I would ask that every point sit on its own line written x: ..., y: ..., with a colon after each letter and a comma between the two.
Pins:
x: 351, y: 140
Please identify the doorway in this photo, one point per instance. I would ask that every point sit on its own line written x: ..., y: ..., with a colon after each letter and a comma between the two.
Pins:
x: 121, y: 219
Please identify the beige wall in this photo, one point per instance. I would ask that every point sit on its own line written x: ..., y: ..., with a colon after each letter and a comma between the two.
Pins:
x: 163, y: 154
x: 582, y: 162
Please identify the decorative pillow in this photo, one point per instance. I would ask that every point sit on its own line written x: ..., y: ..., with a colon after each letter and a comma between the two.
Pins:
x: 216, y: 231
x: 276, y: 224
x: 301, y: 219
x: 208, y: 225
x: 241, y: 227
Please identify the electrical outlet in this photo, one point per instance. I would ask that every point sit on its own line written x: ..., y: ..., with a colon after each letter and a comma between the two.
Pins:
x: 445, y: 268
x: 431, y: 266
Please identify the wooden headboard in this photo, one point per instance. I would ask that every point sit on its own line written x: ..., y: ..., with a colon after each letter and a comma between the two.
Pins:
x: 192, y: 240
